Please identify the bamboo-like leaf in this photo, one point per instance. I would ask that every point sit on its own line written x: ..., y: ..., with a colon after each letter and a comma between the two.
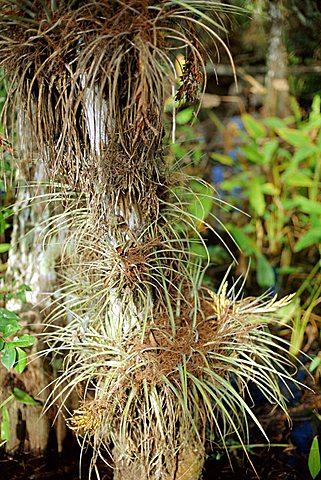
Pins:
x: 293, y: 136
x: 311, y: 237
x: 314, y: 460
x: 256, y: 197
x: 255, y: 129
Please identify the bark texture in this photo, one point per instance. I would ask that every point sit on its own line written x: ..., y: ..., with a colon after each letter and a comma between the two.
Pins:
x: 277, y: 85
x: 188, y: 466
x: 31, y: 262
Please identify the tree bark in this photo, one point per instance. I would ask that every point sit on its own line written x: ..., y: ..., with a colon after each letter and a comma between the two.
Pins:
x: 187, y: 465
x: 30, y: 262
x: 277, y: 85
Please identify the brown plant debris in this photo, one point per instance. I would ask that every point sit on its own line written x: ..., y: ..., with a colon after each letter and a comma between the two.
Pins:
x: 90, y: 82
x: 135, y: 397
x: 191, y: 79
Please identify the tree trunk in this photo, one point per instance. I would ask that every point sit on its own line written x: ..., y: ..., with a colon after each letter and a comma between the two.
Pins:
x: 32, y: 263
x: 188, y: 465
x: 277, y: 96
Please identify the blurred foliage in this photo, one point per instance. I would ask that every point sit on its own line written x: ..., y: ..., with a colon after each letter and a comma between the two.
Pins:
x: 13, y: 341
x: 302, y: 22
x: 302, y: 25
x: 276, y: 179
x: 6, y: 192
x: 269, y: 169
x: 272, y: 172
x: 198, y: 197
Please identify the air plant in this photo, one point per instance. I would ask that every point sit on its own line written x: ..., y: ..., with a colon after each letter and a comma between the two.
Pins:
x: 156, y: 395
x: 155, y: 357
x: 91, y: 78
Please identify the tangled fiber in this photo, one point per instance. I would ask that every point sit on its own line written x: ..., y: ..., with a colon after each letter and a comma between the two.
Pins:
x: 92, y: 78
x: 153, y: 394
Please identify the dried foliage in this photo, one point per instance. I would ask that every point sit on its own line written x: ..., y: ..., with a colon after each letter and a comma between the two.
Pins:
x: 90, y: 80
x: 152, y: 393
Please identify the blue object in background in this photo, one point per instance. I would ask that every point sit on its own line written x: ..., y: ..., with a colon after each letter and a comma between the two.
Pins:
x: 218, y: 171
x: 304, y: 429
x: 217, y: 174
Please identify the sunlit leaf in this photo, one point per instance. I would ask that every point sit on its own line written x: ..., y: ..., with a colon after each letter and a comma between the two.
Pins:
x: 304, y: 152
x: 23, y: 341
x: 293, y: 136
x: 185, y: 116
x: 316, y: 103
x: 316, y: 362
x: 307, y: 205
x: 21, y: 360
x: 7, y: 315
x: 20, y: 294
x: 269, y: 148
x: 178, y: 150
x: 312, y: 237
x: 298, y: 180
x: 270, y: 189
x: 274, y: 122
x: 8, y: 356
x: 256, y: 197
x: 252, y: 153
x: 223, y: 159
x: 4, y: 247
x: 283, y: 153
x: 236, y: 181
x: 253, y: 127
x: 8, y: 322
x: 314, y: 461
x: 287, y: 270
